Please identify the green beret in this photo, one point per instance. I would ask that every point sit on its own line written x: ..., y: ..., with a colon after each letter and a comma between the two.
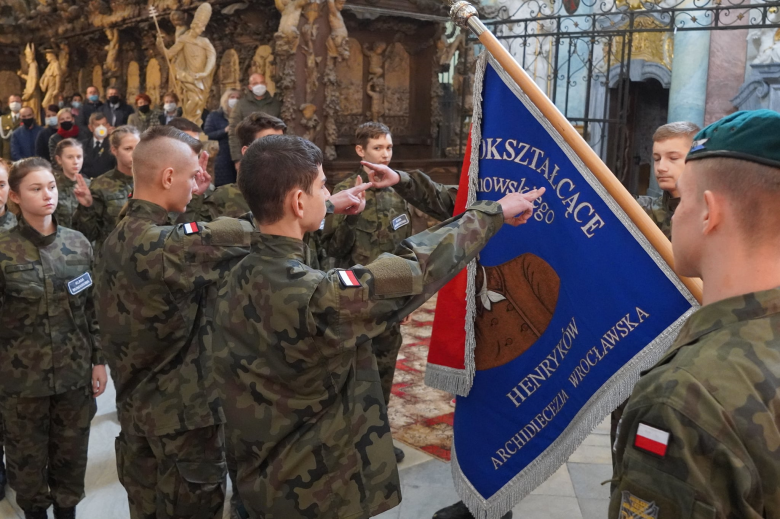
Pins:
x: 752, y: 135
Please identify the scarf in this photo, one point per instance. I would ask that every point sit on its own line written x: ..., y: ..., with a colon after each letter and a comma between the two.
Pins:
x: 70, y: 134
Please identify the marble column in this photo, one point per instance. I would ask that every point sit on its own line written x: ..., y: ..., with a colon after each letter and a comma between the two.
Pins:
x: 688, y: 91
x: 728, y: 53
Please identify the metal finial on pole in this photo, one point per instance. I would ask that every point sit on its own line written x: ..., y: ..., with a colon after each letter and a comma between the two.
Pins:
x: 465, y: 15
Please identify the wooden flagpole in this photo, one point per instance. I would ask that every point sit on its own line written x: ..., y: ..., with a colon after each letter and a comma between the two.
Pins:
x: 465, y: 15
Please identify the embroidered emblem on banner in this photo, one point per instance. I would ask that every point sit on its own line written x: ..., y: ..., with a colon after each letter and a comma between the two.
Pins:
x: 631, y: 507
x: 400, y: 221
x: 191, y: 228
x: 79, y: 284
x: 348, y: 279
x: 651, y: 439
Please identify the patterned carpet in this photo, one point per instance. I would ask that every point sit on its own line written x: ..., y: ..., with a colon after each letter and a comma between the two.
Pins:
x: 419, y: 415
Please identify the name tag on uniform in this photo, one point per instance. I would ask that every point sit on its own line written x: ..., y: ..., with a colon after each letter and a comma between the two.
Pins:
x: 400, y: 221
x: 79, y: 284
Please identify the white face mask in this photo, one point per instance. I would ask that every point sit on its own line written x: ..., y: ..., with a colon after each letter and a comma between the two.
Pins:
x: 15, y: 107
x: 52, y: 121
x: 259, y: 90
x: 169, y: 107
x: 232, y: 102
x: 101, y: 132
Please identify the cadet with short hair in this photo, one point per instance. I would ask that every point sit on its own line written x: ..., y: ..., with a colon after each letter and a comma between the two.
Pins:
x: 51, y: 366
x: 155, y: 285
x: 699, y: 436
x: 110, y: 191
x: 303, y: 400
x: 671, y: 143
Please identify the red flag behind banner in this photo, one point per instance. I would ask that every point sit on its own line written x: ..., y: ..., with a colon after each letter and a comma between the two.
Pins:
x: 448, y: 341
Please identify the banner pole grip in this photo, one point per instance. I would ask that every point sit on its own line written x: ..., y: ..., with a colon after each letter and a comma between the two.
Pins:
x: 465, y: 15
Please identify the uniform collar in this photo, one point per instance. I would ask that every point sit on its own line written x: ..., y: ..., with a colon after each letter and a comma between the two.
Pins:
x: 669, y: 203
x: 118, y: 175
x: 729, y: 311
x: 63, y: 178
x: 282, y: 247
x: 147, y: 210
x: 32, y: 234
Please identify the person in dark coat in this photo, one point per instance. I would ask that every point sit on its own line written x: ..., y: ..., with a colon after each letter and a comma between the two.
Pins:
x: 116, y: 109
x: 216, y: 128
x: 91, y: 105
x: 23, y: 138
x: 98, y: 158
x: 42, y: 142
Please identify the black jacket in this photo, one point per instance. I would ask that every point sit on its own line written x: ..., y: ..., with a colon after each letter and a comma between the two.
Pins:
x: 96, y: 160
x: 87, y: 109
x: 42, y: 142
x: 122, y: 112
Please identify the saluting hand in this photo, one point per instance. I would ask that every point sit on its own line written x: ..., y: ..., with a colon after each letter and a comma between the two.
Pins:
x: 381, y: 176
x: 202, y: 178
x: 519, y: 207
x: 351, y: 201
x: 82, y: 192
x: 99, y: 380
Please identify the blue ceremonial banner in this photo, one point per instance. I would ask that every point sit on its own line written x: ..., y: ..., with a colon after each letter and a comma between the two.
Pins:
x: 565, y: 311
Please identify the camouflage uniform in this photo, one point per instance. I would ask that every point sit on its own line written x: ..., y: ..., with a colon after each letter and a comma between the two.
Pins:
x: 110, y: 192
x: 67, y: 203
x: 48, y: 345
x: 381, y: 227
x: 293, y: 355
x: 716, y: 393
x: 660, y: 209
x: 156, y: 286
x: 8, y: 220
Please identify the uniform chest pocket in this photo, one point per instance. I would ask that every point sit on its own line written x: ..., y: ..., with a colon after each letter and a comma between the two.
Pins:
x: 24, y: 282
x: 115, y: 202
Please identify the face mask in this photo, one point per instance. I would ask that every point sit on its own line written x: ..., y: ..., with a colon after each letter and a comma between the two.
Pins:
x: 66, y: 125
x: 101, y: 132
x: 76, y: 104
x: 113, y: 99
x: 144, y: 109
x: 51, y: 121
x: 169, y: 107
x: 15, y: 107
x: 28, y: 123
x: 259, y: 90
x: 61, y: 104
x: 93, y: 99
x: 232, y: 102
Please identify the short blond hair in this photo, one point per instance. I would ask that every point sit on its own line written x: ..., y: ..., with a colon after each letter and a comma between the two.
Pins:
x: 676, y: 129
x: 223, y: 101
x: 64, y: 111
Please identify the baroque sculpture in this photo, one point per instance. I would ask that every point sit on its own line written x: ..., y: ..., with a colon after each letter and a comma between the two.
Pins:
x: 51, y: 80
x: 766, y: 41
x: 263, y: 63
x: 375, y: 88
x: 194, y: 61
x: 338, y: 47
x: 30, y: 97
x: 111, y: 66
x: 286, y: 36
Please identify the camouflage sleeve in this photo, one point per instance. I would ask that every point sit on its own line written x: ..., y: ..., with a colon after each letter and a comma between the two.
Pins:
x: 92, y: 322
x: 194, y: 260
x: 680, y: 456
x: 353, y: 305
x: 235, y: 146
x: 89, y: 220
x: 436, y: 200
x: 196, y: 210
x: 338, y: 234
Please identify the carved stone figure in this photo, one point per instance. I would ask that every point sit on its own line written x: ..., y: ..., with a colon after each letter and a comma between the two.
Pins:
x: 263, y: 63
x: 310, y: 121
x: 97, y: 78
x: 111, y: 66
x: 229, y: 71
x: 153, y: 80
x: 51, y: 80
x: 766, y: 41
x: 376, y: 91
x: 133, y: 82
x: 375, y: 88
x: 286, y: 36
x: 337, y: 41
x: 194, y: 59
x: 397, y: 81
x: 312, y: 60
x: 376, y: 58
x: 31, y: 96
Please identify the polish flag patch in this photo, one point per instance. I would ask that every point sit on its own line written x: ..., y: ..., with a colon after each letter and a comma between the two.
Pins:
x: 651, y: 439
x: 348, y: 279
x: 191, y: 228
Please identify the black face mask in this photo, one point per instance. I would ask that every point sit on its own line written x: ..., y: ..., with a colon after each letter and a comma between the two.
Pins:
x: 28, y: 123
x: 113, y: 100
x: 144, y: 109
x: 66, y: 125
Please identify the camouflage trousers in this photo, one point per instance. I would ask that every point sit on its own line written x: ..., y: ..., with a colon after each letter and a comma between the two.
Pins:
x: 46, y: 441
x: 176, y: 476
x: 386, y: 347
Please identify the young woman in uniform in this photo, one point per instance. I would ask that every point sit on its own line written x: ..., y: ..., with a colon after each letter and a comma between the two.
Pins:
x: 51, y: 365
x: 72, y: 188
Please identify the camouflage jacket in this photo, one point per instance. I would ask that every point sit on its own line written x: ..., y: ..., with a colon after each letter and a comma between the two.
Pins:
x: 699, y: 437
x: 155, y: 287
x: 303, y: 399
x: 383, y: 225
x: 8, y: 220
x: 49, y: 337
x: 110, y: 192
x: 660, y: 209
x: 67, y: 202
